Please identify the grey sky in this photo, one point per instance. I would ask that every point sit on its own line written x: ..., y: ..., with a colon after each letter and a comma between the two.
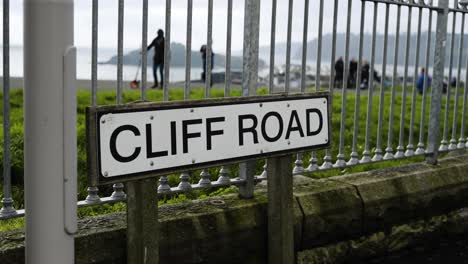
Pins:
x: 133, y: 12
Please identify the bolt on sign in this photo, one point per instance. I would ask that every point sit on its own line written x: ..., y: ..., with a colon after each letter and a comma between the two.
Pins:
x: 136, y: 141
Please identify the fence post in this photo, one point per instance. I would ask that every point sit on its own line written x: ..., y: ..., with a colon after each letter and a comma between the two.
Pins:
x: 436, y: 93
x: 49, y: 131
x: 249, y: 81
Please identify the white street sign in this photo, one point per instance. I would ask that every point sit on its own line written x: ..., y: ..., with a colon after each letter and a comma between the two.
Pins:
x: 136, y: 142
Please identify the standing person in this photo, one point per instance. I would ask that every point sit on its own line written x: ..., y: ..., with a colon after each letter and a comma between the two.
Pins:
x: 352, y: 72
x: 453, y: 82
x: 365, y: 75
x: 158, y: 59
x: 378, y: 78
x: 203, y: 55
x: 420, y: 82
x: 339, y: 65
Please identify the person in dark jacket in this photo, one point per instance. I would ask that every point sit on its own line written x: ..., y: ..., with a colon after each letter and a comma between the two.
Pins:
x: 365, y: 75
x: 352, y: 73
x: 203, y: 52
x: 158, y: 59
x: 377, y: 78
x: 453, y: 82
x: 420, y: 82
x: 339, y: 66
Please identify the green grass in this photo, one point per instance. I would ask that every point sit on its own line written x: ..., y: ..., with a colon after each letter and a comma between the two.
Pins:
x: 109, y: 97
x: 11, y: 224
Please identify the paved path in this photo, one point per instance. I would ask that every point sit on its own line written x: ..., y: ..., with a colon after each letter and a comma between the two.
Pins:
x: 17, y: 83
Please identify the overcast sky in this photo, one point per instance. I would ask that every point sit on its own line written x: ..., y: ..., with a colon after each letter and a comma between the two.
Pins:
x: 133, y: 20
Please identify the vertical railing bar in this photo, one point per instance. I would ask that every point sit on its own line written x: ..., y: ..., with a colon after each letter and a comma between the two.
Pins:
x: 313, y: 156
x: 163, y: 181
x: 224, y: 172
x: 288, y: 48
x: 420, y: 148
x: 444, y: 142
x: 304, y: 47
x: 327, y: 160
x: 319, y: 45
x: 144, y: 43
x: 462, y: 139
x: 366, y: 154
x: 453, y: 141
x: 227, y: 79
x: 378, y: 149
x: 118, y: 187
x: 272, y: 47
x: 299, y: 164
x: 205, y: 174
x: 209, y: 50
x: 354, y: 154
x: 167, y: 52
x: 340, y: 162
x: 272, y: 64
x: 94, y: 52
x: 7, y: 200
x: 410, y: 148
x: 93, y: 191
x: 120, y: 50
x: 400, y: 148
x: 188, y: 50
x: 389, y: 150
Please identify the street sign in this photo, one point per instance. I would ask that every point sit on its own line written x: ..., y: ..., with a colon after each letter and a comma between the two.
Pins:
x: 145, y: 140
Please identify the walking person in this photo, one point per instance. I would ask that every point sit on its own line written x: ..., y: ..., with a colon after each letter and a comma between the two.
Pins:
x: 203, y: 52
x: 339, y: 65
x: 158, y: 59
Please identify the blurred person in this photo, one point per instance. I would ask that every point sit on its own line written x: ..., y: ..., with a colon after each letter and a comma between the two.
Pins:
x: 158, y: 59
x: 365, y: 75
x: 420, y: 82
x: 339, y: 65
x: 203, y: 52
x: 353, y: 65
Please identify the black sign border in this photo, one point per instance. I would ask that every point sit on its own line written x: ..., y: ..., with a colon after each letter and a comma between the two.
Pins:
x: 93, y: 115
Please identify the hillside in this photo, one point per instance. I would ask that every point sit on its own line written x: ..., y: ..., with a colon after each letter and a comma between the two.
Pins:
x: 178, y: 58
x: 354, y: 48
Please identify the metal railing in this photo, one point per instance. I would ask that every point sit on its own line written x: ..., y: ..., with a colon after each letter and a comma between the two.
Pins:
x: 7, y: 200
x: 246, y: 178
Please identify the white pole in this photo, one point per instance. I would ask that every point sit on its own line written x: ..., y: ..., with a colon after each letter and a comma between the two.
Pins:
x: 50, y: 132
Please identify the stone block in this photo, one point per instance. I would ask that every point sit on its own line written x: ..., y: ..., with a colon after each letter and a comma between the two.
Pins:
x: 394, y: 196
x: 210, y: 230
x: 332, y: 211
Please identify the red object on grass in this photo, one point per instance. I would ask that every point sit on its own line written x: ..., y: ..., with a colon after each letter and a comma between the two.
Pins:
x: 134, y: 84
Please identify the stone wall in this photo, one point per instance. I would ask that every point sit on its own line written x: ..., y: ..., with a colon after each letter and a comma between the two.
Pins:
x: 355, y: 216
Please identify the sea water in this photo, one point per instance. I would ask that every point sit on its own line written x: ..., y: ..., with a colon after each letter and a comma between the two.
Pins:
x: 105, y: 71
x: 177, y: 74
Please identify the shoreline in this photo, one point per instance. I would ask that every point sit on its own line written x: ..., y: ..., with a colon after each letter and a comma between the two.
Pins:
x: 109, y: 85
